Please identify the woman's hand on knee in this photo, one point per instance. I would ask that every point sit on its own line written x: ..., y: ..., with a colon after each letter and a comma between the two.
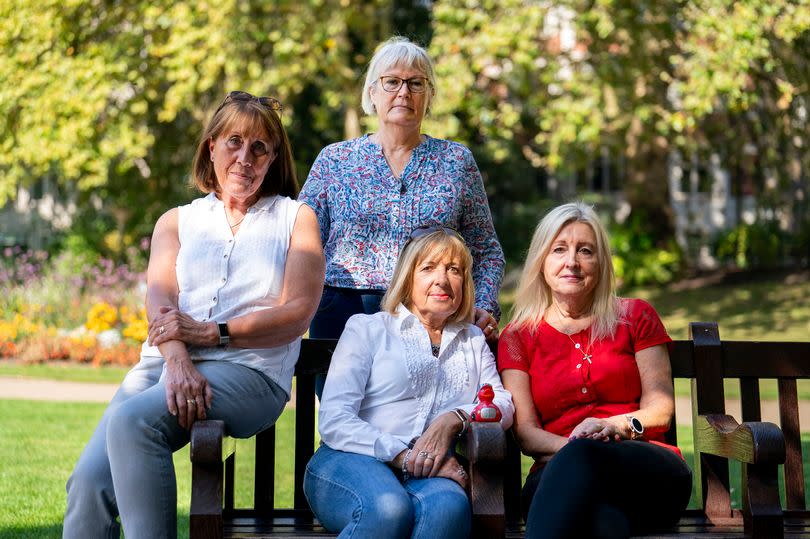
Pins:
x: 451, y: 469
x: 188, y: 394
x: 596, y: 429
x: 431, y: 449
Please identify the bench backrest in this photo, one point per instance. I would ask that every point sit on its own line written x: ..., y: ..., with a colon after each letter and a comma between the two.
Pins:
x: 313, y: 359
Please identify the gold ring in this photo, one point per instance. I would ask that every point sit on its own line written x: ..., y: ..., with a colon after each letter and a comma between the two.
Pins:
x: 422, y: 454
x: 162, y: 329
x: 490, y: 327
x: 191, y: 402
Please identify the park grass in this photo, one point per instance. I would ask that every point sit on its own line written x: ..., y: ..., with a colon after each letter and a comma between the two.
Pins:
x: 64, y: 371
x: 41, y: 441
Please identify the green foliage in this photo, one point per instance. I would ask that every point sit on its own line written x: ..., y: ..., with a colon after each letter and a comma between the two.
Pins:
x: 762, y: 245
x: 106, y: 98
x: 637, y: 259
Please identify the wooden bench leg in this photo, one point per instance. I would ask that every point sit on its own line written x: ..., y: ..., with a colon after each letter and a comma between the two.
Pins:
x: 762, y: 510
x: 209, y: 449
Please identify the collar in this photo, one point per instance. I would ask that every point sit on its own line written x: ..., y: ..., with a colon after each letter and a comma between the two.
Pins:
x: 263, y: 204
x: 404, y: 315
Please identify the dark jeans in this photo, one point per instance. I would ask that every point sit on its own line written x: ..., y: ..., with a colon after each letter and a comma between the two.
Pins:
x: 605, y: 490
x: 336, y: 307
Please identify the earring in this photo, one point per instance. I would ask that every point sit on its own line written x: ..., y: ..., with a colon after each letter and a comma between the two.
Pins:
x: 212, y: 158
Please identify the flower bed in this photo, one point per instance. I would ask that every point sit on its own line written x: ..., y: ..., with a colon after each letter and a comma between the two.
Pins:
x: 70, y: 308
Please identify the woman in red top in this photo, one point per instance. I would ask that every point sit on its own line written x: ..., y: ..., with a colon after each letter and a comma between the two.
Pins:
x: 590, y: 378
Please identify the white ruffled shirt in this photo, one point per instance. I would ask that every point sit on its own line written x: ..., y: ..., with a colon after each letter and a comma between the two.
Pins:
x: 384, y: 386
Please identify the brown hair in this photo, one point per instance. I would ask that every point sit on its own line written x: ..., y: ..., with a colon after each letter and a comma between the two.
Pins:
x: 280, y: 178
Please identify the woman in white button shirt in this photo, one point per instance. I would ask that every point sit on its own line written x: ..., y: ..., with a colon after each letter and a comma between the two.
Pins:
x: 233, y: 281
x: 400, y: 389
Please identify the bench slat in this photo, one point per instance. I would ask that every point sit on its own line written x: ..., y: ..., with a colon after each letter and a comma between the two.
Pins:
x: 789, y: 419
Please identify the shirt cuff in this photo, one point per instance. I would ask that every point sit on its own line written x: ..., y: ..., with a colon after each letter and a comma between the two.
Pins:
x: 387, y: 447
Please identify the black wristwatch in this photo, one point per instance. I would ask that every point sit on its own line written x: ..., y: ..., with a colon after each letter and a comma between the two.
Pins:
x: 224, y: 336
x: 636, y: 428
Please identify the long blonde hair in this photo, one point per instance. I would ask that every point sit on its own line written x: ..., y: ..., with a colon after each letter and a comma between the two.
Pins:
x: 534, y: 293
x: 433, y: 245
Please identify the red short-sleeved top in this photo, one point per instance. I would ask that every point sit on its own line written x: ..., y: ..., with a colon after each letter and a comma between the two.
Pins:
x: 567, y: 388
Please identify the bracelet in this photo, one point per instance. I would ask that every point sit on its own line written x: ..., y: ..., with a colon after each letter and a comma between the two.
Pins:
x: 465, y: 423
x: 405, y: 474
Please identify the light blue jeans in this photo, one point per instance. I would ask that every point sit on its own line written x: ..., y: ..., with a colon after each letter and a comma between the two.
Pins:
x: 127, y: 466
x: 359, y: 496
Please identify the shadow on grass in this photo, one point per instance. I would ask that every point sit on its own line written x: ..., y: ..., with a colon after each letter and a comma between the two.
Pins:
x: 34, y: 532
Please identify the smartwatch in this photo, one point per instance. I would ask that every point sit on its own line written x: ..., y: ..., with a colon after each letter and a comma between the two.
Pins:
x: 224, y: 336
x: 636, y: 428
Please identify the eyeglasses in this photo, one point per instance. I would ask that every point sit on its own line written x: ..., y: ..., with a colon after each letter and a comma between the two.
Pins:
x: 424, y: 230
x: 238, y: 95
x: 416, y: 85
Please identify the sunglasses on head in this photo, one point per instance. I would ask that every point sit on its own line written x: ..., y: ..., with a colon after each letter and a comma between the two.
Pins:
x: 237, y: 95
x: 424, y: 230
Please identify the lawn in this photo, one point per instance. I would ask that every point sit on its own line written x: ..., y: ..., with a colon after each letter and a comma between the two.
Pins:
x: 41, y: 441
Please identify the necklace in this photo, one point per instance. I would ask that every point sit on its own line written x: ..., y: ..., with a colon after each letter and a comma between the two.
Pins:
x: 434, y: 349
x: 239, y: 222
x: 585, y: 355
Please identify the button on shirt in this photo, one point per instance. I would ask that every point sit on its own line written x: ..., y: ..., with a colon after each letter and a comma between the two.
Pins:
x: 366, y: 214
x: 384, y: 386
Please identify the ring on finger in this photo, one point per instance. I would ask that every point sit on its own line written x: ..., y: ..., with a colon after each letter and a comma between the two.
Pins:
x: 162, y: 329
x: 461, y: 472
x: 191, y: 402
x: 422, y: 454
x: 429, y: 456
x: 490, y: 327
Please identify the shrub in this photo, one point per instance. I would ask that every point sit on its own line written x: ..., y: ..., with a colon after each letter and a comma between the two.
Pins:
x: 637, y: 259
x: 761, y: 245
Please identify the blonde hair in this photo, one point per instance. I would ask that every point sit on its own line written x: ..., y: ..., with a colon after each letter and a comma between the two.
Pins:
x: 255, y: 117
x: 431, y: 246
x: 403, y: 52
x: 534, y: 294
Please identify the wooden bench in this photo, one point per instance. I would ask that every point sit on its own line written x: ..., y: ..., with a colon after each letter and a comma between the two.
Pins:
x: 495, y: 468
x: 213, y: 515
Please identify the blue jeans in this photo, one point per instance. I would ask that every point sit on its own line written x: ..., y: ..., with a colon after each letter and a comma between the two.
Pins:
x: 359, y: 496
x: 336, y: 307
x: 127, y: 465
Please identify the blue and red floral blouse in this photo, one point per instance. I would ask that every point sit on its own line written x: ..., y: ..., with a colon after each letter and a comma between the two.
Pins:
x: 366, y: 214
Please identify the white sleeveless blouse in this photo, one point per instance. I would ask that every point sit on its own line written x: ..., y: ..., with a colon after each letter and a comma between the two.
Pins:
x: 222, y: 276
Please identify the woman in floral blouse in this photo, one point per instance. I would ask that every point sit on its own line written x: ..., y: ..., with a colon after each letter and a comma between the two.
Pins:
x: 371, y: 192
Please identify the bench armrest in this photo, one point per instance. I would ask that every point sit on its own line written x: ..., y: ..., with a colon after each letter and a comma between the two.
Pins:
x: 484, y: 447
x: 752, y: 442
x: 210, y: 448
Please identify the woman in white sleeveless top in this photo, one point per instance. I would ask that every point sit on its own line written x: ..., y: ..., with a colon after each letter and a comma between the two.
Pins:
x: 233, y: 281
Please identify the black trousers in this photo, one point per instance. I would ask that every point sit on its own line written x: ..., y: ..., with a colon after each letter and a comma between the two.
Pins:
x: 606, y: 490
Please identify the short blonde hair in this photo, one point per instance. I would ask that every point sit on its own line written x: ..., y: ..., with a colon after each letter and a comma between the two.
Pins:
x: 280, y: 177
x: 431, y: 246
x: 534, y: 294
x: 403, y: 52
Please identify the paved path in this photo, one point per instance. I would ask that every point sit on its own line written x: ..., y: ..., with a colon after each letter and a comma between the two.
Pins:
x: 18, y: 387
x: 12, y: 387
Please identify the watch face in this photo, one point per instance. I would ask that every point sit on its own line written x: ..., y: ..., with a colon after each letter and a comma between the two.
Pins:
x: 636, y: 425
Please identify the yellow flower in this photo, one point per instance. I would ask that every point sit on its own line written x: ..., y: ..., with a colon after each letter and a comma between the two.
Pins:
x: 136, y: 328
x: 102, y: 316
